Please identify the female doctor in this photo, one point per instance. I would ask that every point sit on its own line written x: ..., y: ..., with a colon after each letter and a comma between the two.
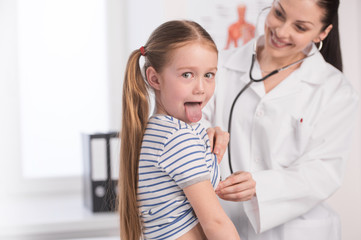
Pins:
x: 291, y: 124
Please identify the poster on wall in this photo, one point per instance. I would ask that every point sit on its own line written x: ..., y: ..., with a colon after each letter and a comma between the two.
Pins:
x: 231, y: 23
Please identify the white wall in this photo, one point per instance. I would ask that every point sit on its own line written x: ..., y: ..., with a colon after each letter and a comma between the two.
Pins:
x: 347, y: 200
x: 9, y: 96
x: 117, y: 56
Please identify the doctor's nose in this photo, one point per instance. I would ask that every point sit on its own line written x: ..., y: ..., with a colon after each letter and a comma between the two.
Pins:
x: 282, y: 31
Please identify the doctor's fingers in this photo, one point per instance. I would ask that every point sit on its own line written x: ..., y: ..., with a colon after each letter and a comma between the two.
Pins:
x: 211, y: 132
x: 238, y: 187
x: 238, y: 196
x: 218, y: 140
x: 236, y: 178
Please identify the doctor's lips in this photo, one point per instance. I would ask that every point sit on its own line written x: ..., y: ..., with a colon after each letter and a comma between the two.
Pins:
x: 277, y: 42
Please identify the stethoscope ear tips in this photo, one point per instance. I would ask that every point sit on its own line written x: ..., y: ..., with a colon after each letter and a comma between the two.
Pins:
x: 255, y: 46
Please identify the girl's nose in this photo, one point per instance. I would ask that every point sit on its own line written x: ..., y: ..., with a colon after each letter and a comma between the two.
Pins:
x: 199, y: 86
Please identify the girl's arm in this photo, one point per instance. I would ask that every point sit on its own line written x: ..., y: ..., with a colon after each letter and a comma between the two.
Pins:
x: 214, y: 221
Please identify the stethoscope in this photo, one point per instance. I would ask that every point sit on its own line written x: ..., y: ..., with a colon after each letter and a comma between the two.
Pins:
x: 252, y: 80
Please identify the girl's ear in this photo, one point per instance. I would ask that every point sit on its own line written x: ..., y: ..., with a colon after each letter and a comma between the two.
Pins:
x: 323, y: 34
x: 153, y: 78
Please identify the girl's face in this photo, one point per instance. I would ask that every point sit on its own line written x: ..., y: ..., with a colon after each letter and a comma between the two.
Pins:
x: 291, y: 25
x: 186, y: 83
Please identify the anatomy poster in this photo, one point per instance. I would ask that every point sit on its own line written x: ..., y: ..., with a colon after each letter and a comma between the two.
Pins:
x: 231, y: 23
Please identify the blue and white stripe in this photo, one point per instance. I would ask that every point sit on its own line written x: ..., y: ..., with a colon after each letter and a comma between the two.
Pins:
x: 174, y: 155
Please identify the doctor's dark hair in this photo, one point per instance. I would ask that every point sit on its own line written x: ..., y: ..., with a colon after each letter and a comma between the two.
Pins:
x: 331, y: 50
x: 158, y: 51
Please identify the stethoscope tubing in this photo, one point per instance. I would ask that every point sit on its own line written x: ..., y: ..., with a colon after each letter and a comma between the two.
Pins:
x: 252, y: 80
x: 235, y: 100
x: 230, y: 125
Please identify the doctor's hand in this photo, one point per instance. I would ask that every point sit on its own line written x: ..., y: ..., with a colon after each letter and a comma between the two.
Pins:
x: 238, y: 187
x: 218, y: 140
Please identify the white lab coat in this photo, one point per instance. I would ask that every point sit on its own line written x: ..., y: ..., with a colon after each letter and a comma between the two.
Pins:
x: 294, y: 140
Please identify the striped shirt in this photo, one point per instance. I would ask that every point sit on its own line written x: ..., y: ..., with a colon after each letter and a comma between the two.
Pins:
x: 174, y: 155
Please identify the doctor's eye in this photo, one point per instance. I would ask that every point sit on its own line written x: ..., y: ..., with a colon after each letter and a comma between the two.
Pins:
x: 278, y: 13
x: 301, y: 28
x: 187, y: 75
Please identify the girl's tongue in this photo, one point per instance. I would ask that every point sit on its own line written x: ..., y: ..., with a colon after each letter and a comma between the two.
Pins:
x: 193, y: 111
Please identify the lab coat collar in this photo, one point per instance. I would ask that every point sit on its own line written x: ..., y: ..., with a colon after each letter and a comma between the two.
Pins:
x: 239, y: 59
x: 310, y: 70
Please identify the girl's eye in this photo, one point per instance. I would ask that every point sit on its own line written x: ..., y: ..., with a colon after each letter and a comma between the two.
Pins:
x: 187, y: 75
x: 209, y: 75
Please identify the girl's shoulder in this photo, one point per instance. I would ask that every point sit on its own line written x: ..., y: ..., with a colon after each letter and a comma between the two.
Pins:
x: 170, y: 127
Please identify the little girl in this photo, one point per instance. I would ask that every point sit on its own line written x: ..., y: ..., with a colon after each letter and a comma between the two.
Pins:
x: 167, y: 171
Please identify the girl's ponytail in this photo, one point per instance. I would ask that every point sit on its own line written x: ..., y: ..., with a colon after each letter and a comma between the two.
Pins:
x: 135, y: 115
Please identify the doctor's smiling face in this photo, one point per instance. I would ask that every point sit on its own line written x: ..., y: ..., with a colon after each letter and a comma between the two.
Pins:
x: 186, y: 83
x: 292, y: 25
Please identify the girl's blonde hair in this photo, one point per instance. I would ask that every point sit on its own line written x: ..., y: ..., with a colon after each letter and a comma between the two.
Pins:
x: 157, y: 51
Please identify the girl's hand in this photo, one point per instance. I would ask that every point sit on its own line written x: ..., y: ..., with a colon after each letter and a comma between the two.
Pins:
x: 238, y: 187
x: 218, y: 140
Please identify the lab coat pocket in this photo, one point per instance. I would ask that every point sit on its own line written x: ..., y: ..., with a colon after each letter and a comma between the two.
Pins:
x: 325, y: 226
x: 296, y: 142
x: 302, y: 134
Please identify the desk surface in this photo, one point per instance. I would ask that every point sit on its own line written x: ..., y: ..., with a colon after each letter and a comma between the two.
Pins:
x: 54, y: 217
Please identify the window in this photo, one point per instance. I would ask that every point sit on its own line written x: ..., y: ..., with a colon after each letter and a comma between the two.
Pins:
x: 63, y: 82
x: 56, y: 84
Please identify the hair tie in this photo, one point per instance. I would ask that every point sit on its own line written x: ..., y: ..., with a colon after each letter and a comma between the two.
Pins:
x: 142, y: 50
